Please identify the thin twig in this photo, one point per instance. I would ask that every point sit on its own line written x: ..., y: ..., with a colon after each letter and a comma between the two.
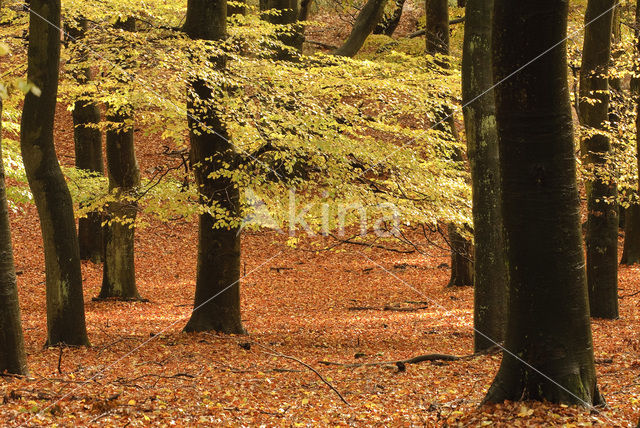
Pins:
x: 288, y: 357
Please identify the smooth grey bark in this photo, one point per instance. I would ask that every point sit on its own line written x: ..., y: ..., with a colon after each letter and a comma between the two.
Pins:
x: 548, y: 328
x: 366, y: 21
x: 118, y: 275
x: 65, y: 303
x: 217, y: 296
x: 602, y: 216
x: 88, y: 150
x: 12, y: 356
x: 388, y: 25
x: 490, y: 268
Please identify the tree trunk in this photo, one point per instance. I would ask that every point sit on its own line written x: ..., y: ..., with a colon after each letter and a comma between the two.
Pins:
x: 461, y: 258
x: 88, y: 147
x: 366, y: 21
x: 437, y: 27
x: 388, y: 25
x: 118, y: 278
x: 12, y: 355
x: 65, y: 304
x: 217, y: 297
x: 602, y: 216
x: 461, y: 247
x: 549, y: 349
x: 305, y: 6
x: 288, y: 15
x: 631, y: 250
x: 490, y: 269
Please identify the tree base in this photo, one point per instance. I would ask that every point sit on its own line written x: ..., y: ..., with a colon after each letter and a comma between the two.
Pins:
x: 102, y: 298
x: 515, y: 382
x: 201, y: 324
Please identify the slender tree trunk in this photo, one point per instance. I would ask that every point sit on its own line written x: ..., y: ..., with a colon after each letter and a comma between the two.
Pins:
x: 437, y: 27
x: 88, y: 148
x: 548, y: 340
x: 461, y: 258
x: 388, y: 25
x: 288, y: 15
x: 490, y: 268
x: 438, y: 42
x: 366, y: 21
x: 631, y: 250
x: 602, y: 214
x: 217, y: 297
x: 65, y: 304
x: 12, y: 355
x: 119, y: 278
x: 305, y: 7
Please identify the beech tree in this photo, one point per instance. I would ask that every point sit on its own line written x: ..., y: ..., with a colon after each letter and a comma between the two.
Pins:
x: 285, y: 13
x: 217, y: 297
x: 490, y: 269
x: 549, y: 350
x: 65, y: 304
x: 366, y: 21
x: 437, y: 27
x: 437, y: 43
x: 88, y: 146
x: 631, y: 249
x: 602, y: 208
x: 12, y: 355
x: 118, y: 279
x: 388, y: 25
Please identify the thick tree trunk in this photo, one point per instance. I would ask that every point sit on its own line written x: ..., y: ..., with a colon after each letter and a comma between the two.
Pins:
x: 549, y: 349
x: 88, y: 148
x: 631, y: 250
x: 388, y: 25
x: 118, y: 278
x: 288, y: 15
x: 437, y: 27
x: 65, y: 304
x: 217, y: 297
x: 490, y: 269
x: 366, y: 21
x: 12, y: 355
x: 602, y: 215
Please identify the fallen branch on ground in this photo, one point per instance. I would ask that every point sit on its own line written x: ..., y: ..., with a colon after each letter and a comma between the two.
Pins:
x: 415, y: 360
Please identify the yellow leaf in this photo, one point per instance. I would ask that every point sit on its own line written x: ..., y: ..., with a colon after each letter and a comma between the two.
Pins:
x: 132, y: 402
x: 524, y: 412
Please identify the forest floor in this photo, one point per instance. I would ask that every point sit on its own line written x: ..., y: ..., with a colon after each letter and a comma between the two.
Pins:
x: 329, y: 306
x: 300, y: 308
